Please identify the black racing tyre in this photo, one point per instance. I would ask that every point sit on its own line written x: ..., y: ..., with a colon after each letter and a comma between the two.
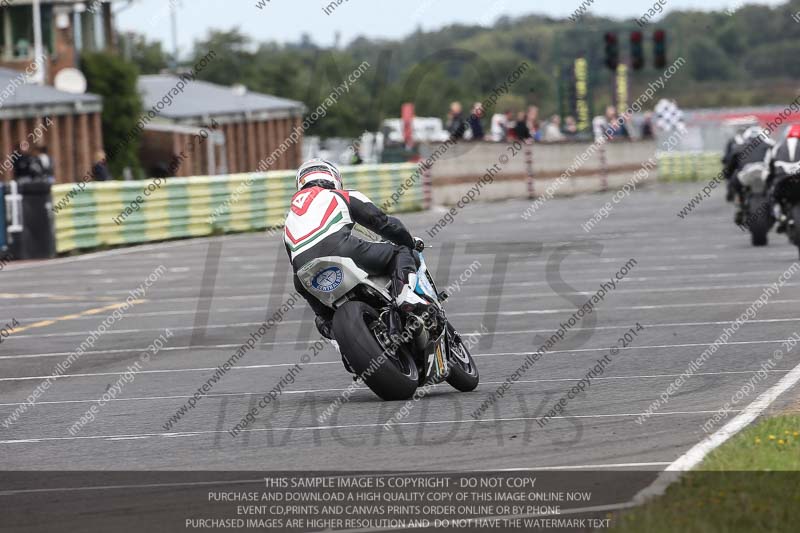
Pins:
x: 463, y: 371
x: 759, y: 219
x: 396, y: 377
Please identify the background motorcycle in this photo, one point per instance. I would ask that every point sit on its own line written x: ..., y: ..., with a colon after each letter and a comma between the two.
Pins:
x: 787, y: 192
x: 756, y: 205
x: 428, y: 350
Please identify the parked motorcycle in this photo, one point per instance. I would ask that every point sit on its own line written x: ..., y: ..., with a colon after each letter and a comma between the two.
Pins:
x: 428, y: 349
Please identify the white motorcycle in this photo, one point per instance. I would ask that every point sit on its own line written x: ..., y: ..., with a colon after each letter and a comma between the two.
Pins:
x: 427, y: 351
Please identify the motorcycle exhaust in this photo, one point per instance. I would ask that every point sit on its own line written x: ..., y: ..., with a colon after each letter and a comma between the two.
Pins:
x: 420, y: 333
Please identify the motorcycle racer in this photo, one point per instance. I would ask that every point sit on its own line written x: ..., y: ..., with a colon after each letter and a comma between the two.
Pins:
x: 320, y: 223
x: 784, y: 169
x: 754, y: 152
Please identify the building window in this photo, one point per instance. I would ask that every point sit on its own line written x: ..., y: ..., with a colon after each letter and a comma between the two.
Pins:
x: 17, y: 31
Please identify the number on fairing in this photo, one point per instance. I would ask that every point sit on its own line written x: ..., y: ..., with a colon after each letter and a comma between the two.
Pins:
x: 300, y: 200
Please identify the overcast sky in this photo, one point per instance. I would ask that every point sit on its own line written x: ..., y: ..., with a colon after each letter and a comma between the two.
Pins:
x: 286, y: 20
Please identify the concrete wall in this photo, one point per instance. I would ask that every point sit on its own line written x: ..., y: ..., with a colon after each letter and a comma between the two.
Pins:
x: 462, y: 165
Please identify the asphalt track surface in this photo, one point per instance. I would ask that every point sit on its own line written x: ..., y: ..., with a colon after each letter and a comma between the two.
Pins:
x: 693, y: 277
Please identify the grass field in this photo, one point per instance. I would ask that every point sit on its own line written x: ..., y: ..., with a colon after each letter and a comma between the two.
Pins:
x: 749, y: 484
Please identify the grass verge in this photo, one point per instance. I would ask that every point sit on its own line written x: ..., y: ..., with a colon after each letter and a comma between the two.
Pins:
x: 751, y: 483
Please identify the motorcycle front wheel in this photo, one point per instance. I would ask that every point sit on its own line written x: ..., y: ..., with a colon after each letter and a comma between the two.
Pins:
x: 391, y: 374
x: 463, y: 372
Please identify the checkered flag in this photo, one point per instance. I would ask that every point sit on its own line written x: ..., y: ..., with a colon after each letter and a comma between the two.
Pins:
x: 669, y: 116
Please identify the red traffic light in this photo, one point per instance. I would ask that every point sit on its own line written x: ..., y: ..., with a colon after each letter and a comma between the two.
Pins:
x: 660, y: 36
x: 636, y: 37
x: 611, y: 38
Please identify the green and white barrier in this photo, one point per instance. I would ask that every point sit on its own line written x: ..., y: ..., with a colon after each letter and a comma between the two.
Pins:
x: 128, y: 212
x: 688, y: 166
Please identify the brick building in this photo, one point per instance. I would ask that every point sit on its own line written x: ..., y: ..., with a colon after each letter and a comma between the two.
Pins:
x: 69, y: 27
x: 250, y: 127
x: 67, y: 124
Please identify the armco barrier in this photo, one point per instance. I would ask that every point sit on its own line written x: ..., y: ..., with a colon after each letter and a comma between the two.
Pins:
x: 688, y: 166
x: 198, y: 206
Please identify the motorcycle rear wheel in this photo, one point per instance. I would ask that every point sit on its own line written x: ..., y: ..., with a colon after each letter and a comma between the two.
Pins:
x: 759, y: 219
x: 795, y: 230
x: 393, y: 378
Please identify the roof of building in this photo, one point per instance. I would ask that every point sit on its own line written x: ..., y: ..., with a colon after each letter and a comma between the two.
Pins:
x: 203, y: 99
x: 16, y: 92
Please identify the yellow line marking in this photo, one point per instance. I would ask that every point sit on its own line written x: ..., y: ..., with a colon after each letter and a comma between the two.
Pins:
x: 45, y: 323
x: 56, y: 297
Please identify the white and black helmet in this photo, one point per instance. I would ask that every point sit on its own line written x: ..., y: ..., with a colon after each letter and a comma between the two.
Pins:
x: 318, y: 170
x: 751, y: 133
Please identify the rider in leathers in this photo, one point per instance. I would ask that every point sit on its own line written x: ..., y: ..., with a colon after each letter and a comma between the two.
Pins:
x: 784, y: 175
x: 320, y: 223
x: 734, y: 142
x: 756, y: 149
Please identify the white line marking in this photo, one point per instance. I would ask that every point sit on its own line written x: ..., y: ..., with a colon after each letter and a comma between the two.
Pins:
x: 699, y: 451
x: 261, y: 310
x: 509, y: 332
x: 229, y: 346
x: 351, y: 426
x: 362, y: 388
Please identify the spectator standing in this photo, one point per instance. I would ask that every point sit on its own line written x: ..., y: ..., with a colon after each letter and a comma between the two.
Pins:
x: 475, y: 122
x: 614, y: 129
x: 100, y: 168
x: 455, y: 121
x: 552, y: 130
x: 532, y: 122
x: 647, y: 126
x: 571, y: 127
x: 521, y: 130
x: 26, y: 166
x: 499, y: 127
x: 46, y: 164
x: 511, y: 133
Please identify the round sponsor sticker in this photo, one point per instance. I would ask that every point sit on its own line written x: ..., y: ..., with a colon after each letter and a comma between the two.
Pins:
x: 328, y: 280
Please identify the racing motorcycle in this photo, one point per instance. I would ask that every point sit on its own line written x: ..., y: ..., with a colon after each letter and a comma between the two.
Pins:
x: 787, y: 193
x: 756, y: 209
x: 426, y: 351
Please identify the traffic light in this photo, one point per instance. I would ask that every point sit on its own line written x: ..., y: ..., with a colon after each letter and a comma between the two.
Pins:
x: 612, y: 51
x: 660, y: 48
x: 637, y: 51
